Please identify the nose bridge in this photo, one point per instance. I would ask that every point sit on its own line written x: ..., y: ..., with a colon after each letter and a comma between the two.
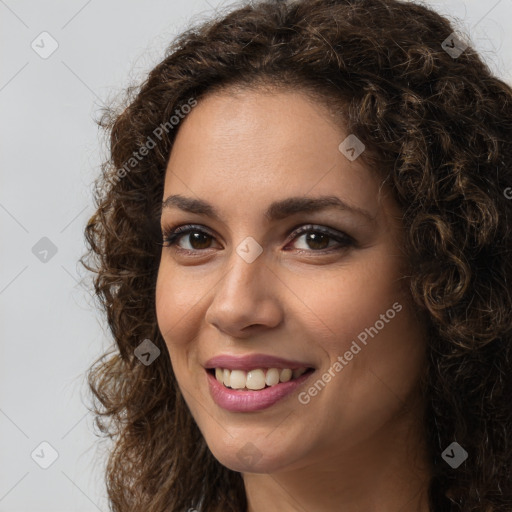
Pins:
x: 245, y: 274
x: 243, y: 295
x: 246, y: 262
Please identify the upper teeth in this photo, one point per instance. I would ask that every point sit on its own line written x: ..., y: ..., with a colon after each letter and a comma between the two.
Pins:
x: 256, y: 379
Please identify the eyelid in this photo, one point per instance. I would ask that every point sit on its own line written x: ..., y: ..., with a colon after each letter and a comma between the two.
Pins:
x: 317, y: 228
x: 184, y: 229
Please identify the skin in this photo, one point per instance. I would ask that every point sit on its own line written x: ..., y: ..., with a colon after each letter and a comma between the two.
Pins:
x: 358, y: 445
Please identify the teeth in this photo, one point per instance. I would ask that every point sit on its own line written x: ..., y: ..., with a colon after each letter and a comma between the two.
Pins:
x: 272, y: 377
x: 238, y: 379
x: 256, y: 379
x: 286, y: 375
x: 298, y: 372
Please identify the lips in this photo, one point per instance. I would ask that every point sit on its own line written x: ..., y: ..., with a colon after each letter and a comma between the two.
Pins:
x: 252, y: 362
x: 253, y: 382
x: 246, y: 401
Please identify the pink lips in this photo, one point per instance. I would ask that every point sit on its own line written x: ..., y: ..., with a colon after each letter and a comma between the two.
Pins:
x: 249, y: 401
x: 253, y: 361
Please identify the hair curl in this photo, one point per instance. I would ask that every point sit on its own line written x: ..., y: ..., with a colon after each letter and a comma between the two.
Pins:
x: 437, y: 129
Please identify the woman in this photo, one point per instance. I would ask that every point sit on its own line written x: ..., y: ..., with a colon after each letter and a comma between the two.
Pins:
x: 302, y: 246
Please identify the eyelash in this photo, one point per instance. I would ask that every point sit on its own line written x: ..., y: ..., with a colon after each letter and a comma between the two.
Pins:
x: 171, y: 236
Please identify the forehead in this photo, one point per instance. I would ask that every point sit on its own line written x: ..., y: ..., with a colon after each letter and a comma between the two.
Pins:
x: 260, y: 124
x: 247, y: 148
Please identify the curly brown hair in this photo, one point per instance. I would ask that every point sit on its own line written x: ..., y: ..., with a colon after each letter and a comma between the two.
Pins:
x: 438, y: 131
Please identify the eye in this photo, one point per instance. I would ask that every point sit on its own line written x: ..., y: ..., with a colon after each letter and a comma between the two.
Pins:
x: 197, y: 242
x: 317, y: 238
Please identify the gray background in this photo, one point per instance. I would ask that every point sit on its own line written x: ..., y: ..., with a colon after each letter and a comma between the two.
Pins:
x: 50, y: 153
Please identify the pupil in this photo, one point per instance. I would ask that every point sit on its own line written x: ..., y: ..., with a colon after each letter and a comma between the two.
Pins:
x: 196, y: 238
x: 315, y: 239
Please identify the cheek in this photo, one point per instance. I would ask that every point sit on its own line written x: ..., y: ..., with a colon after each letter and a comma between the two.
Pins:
x: 341, y: 305
x: 377, y: 376
x: 177, y: 303
x: 178, y: 300
x: 381, y: 341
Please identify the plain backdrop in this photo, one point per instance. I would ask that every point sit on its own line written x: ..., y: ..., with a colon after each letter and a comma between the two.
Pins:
x: 50, y: 153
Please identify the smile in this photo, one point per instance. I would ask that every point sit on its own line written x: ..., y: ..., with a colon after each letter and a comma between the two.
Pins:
x: 245, y: 399
x: 256, y: 379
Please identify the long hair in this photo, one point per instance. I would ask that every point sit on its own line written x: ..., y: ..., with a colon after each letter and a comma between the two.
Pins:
x: 437, y: 126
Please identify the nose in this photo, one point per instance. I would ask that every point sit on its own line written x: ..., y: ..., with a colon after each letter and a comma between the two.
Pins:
x: 246, y: 299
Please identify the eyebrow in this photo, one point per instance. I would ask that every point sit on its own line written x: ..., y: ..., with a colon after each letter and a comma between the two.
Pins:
x: 276, y: 211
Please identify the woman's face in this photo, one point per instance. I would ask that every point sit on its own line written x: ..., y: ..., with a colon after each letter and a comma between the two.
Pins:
x: 245, y: 283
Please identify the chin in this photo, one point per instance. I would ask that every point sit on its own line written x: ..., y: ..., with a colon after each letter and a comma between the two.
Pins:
x: 245, y: 457
x: 248, y: 465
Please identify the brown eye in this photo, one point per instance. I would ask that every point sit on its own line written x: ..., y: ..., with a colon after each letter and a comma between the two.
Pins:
x: 317, y: 238
x: 197, y: 238
x: 318, y: 241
